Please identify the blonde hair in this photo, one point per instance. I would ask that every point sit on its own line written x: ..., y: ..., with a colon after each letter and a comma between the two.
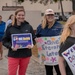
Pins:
x: 67, y: 29
x: 44, y: 22
x: 16, y: 12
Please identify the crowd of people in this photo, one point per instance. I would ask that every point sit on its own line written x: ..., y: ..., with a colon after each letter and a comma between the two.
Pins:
x: 18, y: 59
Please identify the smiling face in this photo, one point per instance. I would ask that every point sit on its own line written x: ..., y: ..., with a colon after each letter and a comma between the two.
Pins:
x: 12, y: 17
x: 20, y: 16
x: 50, y: 17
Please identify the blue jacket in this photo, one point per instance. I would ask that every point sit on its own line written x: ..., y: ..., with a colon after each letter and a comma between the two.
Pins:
x: 55, y: 30
x: 2, y: 28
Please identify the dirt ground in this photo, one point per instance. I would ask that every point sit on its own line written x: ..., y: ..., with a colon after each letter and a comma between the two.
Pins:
x: 35, y: 51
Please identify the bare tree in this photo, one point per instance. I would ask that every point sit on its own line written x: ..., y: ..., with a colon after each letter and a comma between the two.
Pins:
x: 45, y: 2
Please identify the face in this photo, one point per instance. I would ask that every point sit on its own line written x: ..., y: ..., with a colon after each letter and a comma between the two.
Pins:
x: 12, y: 17
x: 73, y: 27
x: 50, y: 17
x: 20, y: 16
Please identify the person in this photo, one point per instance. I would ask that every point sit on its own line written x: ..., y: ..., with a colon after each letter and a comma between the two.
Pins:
x: 2, y: 29
x: 48, y: 28
x: 10, y: 19
x: 67, y: 40
x: 18, y: 59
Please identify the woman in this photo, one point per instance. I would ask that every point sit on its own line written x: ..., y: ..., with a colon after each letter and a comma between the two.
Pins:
x: 49, y: 28
x: 18, y: 59
x: 67, y: 40
x: 2, y: 29
x: 10, y: 19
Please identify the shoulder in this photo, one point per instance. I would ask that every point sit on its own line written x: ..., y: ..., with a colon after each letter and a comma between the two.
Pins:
x: 63, y: 47
x: 68, y: 43
x: 27, y: 25
x: 39, y: 26
x: 9, y: 21
x: 9, y: 26
x: 3, y: 22
x: 58, y: 24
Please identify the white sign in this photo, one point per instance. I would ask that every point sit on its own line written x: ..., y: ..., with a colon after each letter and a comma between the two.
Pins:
x: 69, y: 56
x: 48, y: 48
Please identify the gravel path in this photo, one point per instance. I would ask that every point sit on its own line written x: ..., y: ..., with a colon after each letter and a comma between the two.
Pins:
x: 34, y: 67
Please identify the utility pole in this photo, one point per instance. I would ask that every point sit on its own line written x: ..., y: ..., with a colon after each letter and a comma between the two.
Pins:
x: 63, y: 16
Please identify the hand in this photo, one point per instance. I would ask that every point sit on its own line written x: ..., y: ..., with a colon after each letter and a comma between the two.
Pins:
x: 15, y: 48
x: 35, y: 39
x: 29, y: 46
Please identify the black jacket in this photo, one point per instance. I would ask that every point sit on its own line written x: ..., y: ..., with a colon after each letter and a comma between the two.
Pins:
x: 63, y: 47
x: 7, y: 41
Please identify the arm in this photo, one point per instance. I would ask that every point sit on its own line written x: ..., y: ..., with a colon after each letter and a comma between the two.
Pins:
x: 7, y: 39
x: 62, y: 65
x: 33, y: 35
x: 38, y: 30
x: 8, y: 23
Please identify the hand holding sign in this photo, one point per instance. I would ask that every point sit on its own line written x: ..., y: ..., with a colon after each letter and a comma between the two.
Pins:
x: 22, y: 41
x: 48, y: 48
x: 29, y: 46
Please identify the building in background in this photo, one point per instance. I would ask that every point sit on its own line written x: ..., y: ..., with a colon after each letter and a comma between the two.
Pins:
x: 67, y: 5
x: 35, y: 9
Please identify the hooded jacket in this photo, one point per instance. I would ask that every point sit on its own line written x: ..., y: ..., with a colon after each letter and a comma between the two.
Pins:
x: 7, y: 41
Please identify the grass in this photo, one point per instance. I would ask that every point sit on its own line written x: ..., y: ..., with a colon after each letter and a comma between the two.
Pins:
x: 62, y: 22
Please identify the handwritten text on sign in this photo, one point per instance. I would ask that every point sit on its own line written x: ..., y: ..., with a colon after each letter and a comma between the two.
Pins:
x: 69, y: 56
x: 48, y: 48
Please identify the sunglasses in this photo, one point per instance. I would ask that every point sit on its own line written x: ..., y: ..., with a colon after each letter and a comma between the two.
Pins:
x: 50, y: 15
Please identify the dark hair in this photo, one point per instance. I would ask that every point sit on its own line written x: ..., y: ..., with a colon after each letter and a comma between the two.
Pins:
x: 16, y: 12
x: 10, y: 16
x: 0, y: 16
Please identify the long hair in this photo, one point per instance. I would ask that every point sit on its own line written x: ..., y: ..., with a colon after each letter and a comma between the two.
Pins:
x: 44, y: 22
x: 10, y: 16
x: 17, y: 11
x: 67, y: 29
x: 0, y: 16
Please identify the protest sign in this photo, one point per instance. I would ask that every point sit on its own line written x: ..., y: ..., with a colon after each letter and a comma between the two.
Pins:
x: 21, y: 40
x: 48, y: 48
x: 69, y: 56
